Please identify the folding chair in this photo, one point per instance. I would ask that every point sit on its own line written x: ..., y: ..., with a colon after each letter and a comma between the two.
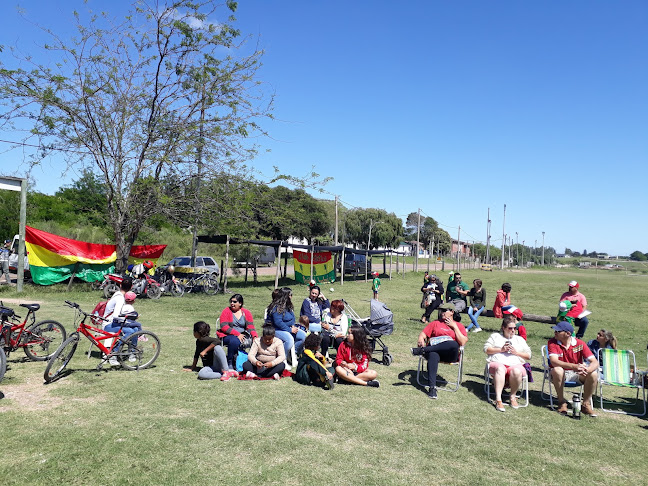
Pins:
x: 619, y: 368
x: 522, y: 392
x: 546, y: 378
x: 452, y: 386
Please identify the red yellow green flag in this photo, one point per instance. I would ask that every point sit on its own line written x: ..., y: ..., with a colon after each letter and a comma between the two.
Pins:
x: 323, y: 268
x: 53, y: 258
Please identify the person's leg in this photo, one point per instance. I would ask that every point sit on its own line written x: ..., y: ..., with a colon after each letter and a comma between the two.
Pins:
x: 368, y: 375
x: 582, y: 327
x: 473, y: 321
x: 477, y: 314
x: 269, y: 372
x: 206, y: 373
x: 347, y: 375
x: 287, y: 339
x: 232, y: 343
x: 326, y: 342
x: 516, y: 374
x: 557, y: 378
x: 220, y: 360
x: 300, y: 337
x: 498, y: 372
x: 459, y: 304
x: 430, y: 308
x: 589, y: 387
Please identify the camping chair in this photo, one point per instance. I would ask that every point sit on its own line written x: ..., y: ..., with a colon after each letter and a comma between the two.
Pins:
x: 546, y: 378
x: 452, y: 386
x: 522, y: 392
x: 619, y: 368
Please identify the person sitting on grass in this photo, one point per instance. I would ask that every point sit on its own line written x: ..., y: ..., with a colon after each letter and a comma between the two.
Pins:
x: 267, y: 357
x: 311, y: 368
x: 507, y: 354
x: 352, y: 359
x: 235, y: 323
x: 282, y: 316
x: 440, y: 341
x: 314, y: 307
x: 210, y: 351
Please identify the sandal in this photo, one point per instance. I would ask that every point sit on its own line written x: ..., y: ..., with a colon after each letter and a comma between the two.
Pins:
x: 514, y: 403
x: 499, y: 406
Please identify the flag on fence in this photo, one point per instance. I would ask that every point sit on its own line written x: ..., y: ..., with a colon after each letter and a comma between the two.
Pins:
x: 323, y: 268
x: 53, y: 258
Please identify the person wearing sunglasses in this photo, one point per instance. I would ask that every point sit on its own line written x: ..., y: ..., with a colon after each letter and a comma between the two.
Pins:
x: 507, y: 352
x: 236, y: 324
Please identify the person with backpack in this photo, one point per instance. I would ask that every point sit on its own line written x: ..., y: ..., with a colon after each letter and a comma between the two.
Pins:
x: 311, y: 367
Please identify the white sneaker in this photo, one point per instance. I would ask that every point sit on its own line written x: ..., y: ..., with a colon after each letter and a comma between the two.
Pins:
x: 132, y: 358
x: 114, y: 361
x: 477, y: 329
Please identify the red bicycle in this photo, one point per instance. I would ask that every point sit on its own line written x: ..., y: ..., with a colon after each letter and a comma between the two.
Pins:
x: 38, y: 340
x: 134, y: 352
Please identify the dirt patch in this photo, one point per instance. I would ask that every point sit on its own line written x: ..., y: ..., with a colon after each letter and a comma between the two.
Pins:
x: 30, y: 396
x: 21, y: 301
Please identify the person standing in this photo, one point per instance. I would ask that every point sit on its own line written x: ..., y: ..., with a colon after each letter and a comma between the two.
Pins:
x: 4, y: 260
x: 375, y: 285
x: 579, y: 305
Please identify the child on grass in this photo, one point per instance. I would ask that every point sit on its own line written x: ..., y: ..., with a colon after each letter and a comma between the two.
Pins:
x: 352, y: 359
x: 375, y: 285
x: 311, y: 368
x: 211, y: 353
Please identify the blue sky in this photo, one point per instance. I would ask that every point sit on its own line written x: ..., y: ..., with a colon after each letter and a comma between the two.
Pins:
x: 454, y: 108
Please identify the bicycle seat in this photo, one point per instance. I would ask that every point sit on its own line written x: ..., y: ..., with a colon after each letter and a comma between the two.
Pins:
x: 31, y: 307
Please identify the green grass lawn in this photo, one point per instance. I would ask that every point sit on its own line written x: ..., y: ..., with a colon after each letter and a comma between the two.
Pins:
x: 163, y: 426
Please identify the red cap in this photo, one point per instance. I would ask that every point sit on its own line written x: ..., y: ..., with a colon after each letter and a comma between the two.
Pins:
x: 574, y: 283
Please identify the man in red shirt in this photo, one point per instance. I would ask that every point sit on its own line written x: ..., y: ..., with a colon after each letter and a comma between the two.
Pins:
x: 567, y: 357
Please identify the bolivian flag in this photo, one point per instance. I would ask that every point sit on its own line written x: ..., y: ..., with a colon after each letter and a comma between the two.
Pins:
x: 53, y: 258
x: 323, y: 268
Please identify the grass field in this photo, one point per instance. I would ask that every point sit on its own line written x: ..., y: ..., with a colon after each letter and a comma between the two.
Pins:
x: 162, y: 426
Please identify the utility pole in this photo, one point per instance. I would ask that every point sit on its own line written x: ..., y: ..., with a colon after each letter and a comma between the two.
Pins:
x: 517, y: 248
x: 488, y: 238
x: 510, y: 244
x: 522, y: 252
x: 503, y: 238
x: 418, y: 235
x: 458, y: 249
x: 336, y: 220
x: 535, y: 249
x: 543, y: 248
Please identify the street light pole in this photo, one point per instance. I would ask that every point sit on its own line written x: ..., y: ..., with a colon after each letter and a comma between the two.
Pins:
x: 517, y: 250
x: 522, y: 252
x: 543, y: 233
x: 503, y: 238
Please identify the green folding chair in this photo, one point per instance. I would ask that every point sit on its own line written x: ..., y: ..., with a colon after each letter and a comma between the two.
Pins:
x: 619, y: 368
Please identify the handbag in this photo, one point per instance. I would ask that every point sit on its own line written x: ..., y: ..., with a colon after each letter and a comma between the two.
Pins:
x: 241, y: 358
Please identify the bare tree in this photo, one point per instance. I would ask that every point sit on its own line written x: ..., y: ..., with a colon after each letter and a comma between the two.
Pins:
x: 168, y: 93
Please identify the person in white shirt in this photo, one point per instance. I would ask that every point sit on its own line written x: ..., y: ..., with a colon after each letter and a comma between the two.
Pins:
x: 507, y: 353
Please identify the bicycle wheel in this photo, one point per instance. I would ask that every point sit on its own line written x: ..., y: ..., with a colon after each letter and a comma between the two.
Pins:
x: 211, y: 285
x: 141, y: 355
x: 177, y: 289
x: 3, y: 364
x: 110, y: 289
x: 153, y: 292
x: 42, y: 339
x: 61, y: 358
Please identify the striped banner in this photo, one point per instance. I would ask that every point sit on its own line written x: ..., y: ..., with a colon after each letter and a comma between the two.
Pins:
x: 53, y: 258
x: 323, y: 268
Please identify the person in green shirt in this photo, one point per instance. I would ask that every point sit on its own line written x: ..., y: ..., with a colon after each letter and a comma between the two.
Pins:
x: 375, y: 285
x: 456, y: 292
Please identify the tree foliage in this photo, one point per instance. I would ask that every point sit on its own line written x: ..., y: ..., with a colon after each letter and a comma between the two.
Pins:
x: 385, y: 229
x: 166, y: 93
x: 637, y: 255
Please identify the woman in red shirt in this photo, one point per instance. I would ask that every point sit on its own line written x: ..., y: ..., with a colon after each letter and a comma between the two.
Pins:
x: 352, y: 359
x: 440, y: 341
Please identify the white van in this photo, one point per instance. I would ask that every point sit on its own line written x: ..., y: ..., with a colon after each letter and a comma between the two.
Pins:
x: 13, y: 257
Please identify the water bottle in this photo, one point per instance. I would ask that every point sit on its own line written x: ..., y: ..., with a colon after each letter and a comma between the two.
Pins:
x: 576, y: 402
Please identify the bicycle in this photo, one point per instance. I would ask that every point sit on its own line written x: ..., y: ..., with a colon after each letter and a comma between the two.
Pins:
x: 134, y: 352
x: 38, y: 340
x: 202, y: 283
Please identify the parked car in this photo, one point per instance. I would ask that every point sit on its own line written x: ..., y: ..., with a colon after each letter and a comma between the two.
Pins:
x: 203, y: 262
x: 357, y: 264
x: 267, y: 257
x: 13, y: 257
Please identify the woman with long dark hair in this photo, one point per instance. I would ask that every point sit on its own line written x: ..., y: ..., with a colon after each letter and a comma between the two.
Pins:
x: 352, y: 359
x: 281, y: 313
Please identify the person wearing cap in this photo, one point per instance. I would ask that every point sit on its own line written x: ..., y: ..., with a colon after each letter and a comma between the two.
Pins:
x: 507, y: 354
x: 375, y: 285
x: 579, y: 305
x: 433, y: 291
x: 440, y: 341
x: 518, y: 314
x: 4, y: 260
x: 456, y: 292
x: 570, y: 359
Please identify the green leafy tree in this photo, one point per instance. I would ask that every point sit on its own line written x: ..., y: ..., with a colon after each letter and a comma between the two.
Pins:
x: 637, y: 255
x: 166, y: 92
x: 372, y: 228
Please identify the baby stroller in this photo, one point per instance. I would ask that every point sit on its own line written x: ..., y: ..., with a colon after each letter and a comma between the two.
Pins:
x: 379, y: 323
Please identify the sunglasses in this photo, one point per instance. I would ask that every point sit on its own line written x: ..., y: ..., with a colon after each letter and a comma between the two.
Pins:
x: 234, y: 301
